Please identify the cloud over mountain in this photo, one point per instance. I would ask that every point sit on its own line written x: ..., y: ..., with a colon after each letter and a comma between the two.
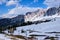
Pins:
x: 52, y: 3
x: 18, y: 10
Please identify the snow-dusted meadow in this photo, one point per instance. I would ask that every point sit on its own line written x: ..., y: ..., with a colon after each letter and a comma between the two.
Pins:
x: 38, y: 29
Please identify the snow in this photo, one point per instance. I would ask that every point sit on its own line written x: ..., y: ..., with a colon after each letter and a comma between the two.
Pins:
x: 41, y: 27
x: 3, y: 37
x: 54, y: 25
x: 42, y: 18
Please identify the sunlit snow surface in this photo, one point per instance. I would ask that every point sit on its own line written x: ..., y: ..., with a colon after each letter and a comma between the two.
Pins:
x: 48, y: 26
x: 4, y: 37
x: 41, y: 27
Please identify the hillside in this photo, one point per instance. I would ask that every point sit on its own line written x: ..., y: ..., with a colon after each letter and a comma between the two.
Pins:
x: 39, y: 29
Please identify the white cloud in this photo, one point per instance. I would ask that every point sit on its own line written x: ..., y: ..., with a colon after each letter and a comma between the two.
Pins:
x: 35, y: 0
x: 10, y: 2
x: 2, y: 1
x: 52, y: 3
x: 18, y: 10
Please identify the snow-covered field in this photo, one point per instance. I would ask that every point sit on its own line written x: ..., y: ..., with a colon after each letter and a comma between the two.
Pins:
x: 38, y: 29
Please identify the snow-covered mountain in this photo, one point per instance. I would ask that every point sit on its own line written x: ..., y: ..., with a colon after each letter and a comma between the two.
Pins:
x: 52, y: 14
x: 42, y: 13
x: 31, y: 16
x: 38, y: 15
x: 51, y: 11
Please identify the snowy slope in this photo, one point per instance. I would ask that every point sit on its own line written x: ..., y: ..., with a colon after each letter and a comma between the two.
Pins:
x: 53, y: 25
x: 41, y: 27
x: 4, y: 37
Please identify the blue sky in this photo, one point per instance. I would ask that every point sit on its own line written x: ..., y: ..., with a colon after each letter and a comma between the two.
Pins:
x: 8, y: 6
x: 31, y: 3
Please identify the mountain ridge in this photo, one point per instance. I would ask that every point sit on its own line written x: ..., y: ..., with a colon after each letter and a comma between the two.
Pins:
x: 29, y: 18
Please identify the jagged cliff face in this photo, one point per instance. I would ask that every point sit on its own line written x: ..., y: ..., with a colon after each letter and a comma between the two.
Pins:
x: 58, y: 11
x: 53, y: 11
x: 31, y: 16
